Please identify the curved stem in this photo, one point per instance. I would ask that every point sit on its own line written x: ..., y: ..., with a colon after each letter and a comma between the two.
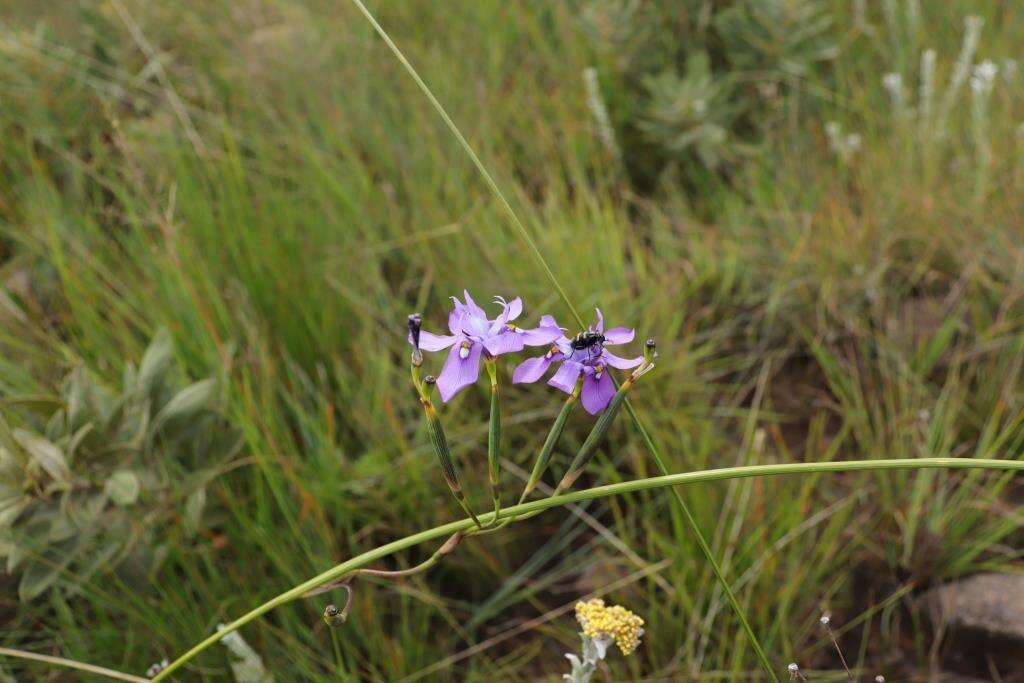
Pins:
x: 72, y: 664
x: 620, y: 488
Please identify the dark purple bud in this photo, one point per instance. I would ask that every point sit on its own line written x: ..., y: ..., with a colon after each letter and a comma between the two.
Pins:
x: 415, y: 325
x: 650, y: 343
x: 430, y: 379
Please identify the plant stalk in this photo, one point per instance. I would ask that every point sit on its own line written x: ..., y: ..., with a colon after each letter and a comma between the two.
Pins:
x: 494, y: 437
x: 619, y: 488
x: 550, y: 442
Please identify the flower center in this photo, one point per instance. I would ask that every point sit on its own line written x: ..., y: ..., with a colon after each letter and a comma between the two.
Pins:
x: 464, y: 350
x: 598, y: 371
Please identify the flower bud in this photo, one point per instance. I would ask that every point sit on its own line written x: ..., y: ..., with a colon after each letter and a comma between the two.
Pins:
x: 415, y: 326
x: 332, y: 615
x: 650, y: 351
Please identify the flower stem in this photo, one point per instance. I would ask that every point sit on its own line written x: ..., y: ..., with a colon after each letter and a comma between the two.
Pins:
x: 549, y: 443
x: 72, y: 664
x: 534, y: 506
x: 494, y: 436
x: 444, y: 455
x: 593, y: 440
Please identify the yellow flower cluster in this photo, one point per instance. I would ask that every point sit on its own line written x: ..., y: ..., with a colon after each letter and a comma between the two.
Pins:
x: 617, y: 622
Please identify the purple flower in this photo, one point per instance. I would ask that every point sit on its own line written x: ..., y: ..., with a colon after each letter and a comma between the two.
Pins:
x: 473, y: 334
x: 585, y: 354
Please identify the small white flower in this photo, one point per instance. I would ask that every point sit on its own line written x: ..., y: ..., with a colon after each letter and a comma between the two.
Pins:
x: 984, y: 77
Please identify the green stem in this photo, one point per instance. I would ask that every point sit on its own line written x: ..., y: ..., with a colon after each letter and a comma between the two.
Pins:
x: 549, y: 443
x: 444, y: 455
x: 494, y: 436
x: 339, y: 663
x: 620, y: 488
x: 594, y: 439
x: 72, y: 664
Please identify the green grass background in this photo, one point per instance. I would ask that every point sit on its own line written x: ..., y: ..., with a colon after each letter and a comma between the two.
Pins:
x: 262, y: 179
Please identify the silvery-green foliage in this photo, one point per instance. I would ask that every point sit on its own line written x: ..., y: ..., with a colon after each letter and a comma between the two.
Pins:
x: 777, y: 38
x: 246, y: 664
x: 92, y: 478
x: 689, y: 112
x: 691, y: 84
x: 583, y: 668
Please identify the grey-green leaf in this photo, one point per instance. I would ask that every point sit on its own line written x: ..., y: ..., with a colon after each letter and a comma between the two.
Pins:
x: 155, y: 362
x: 38, y: 577
x: 194, y: 509
x: 123, y: 487
x: 188, y: 402
x: 44, y: 453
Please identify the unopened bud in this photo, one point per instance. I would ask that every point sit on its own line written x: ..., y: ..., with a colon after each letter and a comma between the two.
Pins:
x: 333, y: 616
x: 415, y: 325
x: 793, y: 668
x: 879, y: 679
x: 825, y: 620
x: 650, y: 351
x: 430, y: 379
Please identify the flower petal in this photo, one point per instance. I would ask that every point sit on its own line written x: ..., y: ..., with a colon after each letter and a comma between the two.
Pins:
x: 600, y: 320
x: 472, y: 308
x: 458, y: 373
x: 597, y: 393
x: 531, y: 369
x: 619, y: 335
x: 540, y: 336
x: 435, y: 342
x: 455, y: 318
x: 565, y: 378
x: 513, y: 309
x: 506, y: 342
x: 611, y: 359
x: 549, y: 321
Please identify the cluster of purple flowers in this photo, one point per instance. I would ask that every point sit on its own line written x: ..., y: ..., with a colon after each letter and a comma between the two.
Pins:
x: 473, y: 335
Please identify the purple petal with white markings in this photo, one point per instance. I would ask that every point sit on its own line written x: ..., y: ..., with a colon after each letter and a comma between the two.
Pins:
x: 458, y: 373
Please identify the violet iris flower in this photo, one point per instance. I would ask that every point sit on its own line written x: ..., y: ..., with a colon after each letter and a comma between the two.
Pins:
x: 473, y: 334
x: 592, y: 361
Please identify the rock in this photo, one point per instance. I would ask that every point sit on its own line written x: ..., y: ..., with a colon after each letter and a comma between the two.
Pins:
x: 986, y: 605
